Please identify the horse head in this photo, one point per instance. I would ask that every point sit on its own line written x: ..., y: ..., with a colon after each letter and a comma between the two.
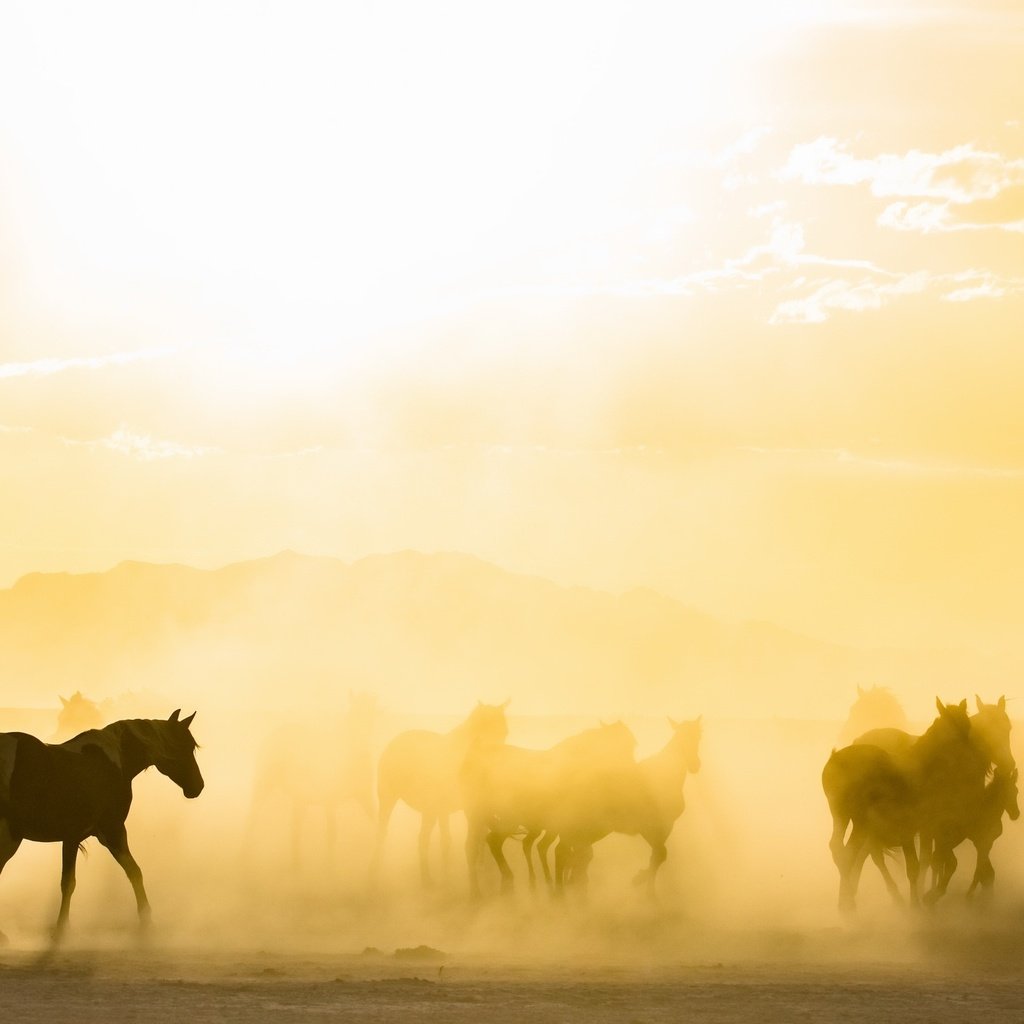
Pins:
x: 876, y: 707
x: 486, y: 725
x: 990, y: 728
x: 686, y: 740
x: 953, y: 719
x: 175, y: 754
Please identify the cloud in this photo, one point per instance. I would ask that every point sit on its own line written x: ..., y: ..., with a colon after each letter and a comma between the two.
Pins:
x: 959, y: 175
x: 928, y: 217
x: 873, y: 292
x: 143, y: 447
x: 48, y: 367
x: 856, y: 297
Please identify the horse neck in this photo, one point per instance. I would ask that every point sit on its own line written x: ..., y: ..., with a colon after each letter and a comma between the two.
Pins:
x: 135, y: 750
x: 668, y: 764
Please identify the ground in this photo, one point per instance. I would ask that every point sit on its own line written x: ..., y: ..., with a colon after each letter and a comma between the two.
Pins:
x: 949, y: 978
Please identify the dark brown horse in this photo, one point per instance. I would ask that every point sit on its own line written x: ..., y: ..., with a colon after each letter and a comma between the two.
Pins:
x: 65, y: 793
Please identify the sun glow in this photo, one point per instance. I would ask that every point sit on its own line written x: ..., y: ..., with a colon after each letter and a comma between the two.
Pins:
x: 338, y: 168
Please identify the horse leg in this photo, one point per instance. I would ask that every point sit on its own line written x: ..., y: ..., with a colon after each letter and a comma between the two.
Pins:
x: 857, y: 850
x: 475, y: 835
x: 444, y: 828
x: 8, y: 847
x: 495, y: 841
x: 913, y: 871
x: 528, y: 840
x: 837, y: 842
x: 542, y: 852
x: 943, y: 866
x: 116, y: 841
x: 427, y: 822
x: 69, y: 857
x: 384, y: 809
x: 563, y: 853
x: 878, y: 856
x: 579, y: 876
x: 984, y: 873
x: 659, y: 854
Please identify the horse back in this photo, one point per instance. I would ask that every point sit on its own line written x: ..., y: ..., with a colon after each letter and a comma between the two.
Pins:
x: 422, y: 769
x: 51, y: 794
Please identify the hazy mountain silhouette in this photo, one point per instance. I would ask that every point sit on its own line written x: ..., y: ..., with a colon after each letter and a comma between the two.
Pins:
x: 420, y: 630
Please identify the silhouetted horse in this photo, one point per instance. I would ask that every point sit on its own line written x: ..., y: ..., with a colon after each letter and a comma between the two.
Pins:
x: 77, y: 714
x: 875, y: 708
x: 990, y: 735
x: 64, y: 793
x: 982, y: 824
x: 891, y: 797
x: 422, y: 769
x: 507, y: 788
x: 306, y: 770
x: 645, y: 799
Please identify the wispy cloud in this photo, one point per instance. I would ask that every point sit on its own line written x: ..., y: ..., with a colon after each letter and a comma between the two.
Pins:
x: 143, y: 447
x: 929, y: 217
x: 48, y: 367
x: 872, y: 292
x: 960, y: 175
x: 842, y: 294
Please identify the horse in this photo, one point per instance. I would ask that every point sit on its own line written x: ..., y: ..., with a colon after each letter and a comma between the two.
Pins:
x: 891, y: 797
x: 66, y: 792
x: 306, y: 769
x: 990, y: 734
x: 507, y: 788
x: 645, y: 799
x: 422, y: 769
x: 77, y: 714
x: 982, y: 825
x: 874, y: 708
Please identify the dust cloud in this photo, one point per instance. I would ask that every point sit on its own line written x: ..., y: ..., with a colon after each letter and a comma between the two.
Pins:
x: 279, y: 856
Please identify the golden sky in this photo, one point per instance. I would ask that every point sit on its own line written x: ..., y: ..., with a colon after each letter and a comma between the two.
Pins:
x: 726, y: 303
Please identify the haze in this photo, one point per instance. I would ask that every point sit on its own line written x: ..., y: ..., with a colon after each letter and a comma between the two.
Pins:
x: 624, y: 361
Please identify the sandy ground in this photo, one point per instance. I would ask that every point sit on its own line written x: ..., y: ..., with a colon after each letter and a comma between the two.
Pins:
x: 947, y: 976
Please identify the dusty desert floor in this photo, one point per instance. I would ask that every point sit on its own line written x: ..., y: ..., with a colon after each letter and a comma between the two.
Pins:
x: 929, y: 973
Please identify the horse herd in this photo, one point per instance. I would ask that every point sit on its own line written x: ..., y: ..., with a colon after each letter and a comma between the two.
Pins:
x: 574, y: 793
x: 886, y: 789
x: 924, y: 795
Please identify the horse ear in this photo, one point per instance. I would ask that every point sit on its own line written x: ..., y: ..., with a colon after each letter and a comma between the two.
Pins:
x: 63, y: 701
x: 963, y: 705
x: 980, y: 703
x: 174, y: 715
x: 1002, y: 703
x: 672, y: 722
x: 860, y: 691
x: 699, y: 719
x: 940, y: 706
x: 188, y: 721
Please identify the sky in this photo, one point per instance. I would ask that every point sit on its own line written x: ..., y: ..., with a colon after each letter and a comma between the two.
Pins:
x: 725, y: 302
